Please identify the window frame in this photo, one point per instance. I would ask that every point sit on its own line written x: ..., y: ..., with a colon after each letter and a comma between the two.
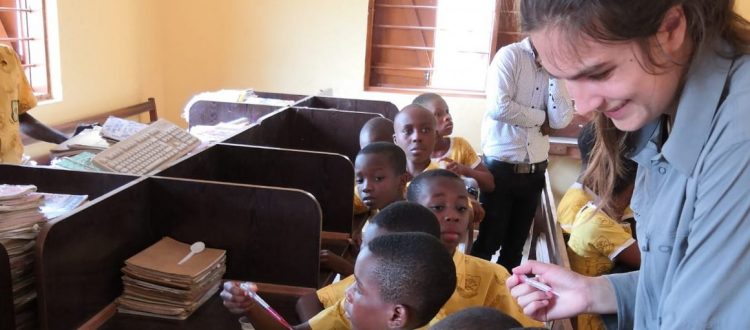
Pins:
x: 33, y: 51
x: 502, y: 7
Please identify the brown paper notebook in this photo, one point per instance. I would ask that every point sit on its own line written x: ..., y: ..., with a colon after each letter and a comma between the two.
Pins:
x: 163, y: 257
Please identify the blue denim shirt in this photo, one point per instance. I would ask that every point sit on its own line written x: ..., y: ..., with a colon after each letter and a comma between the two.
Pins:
x: 692, y: 207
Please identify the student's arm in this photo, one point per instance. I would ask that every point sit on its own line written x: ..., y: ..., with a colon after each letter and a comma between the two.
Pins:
x: 501, y: 91
x: 336, y: 263
x: 35, y: 129
x: 630, y: 256
x: 308, y: 306
x: 483, y: 176
x: 237, y: 302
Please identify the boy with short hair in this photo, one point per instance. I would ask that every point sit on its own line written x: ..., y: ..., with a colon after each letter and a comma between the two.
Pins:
x: 402, y: 280
x: 377, y: 129
x: 414, y: 132
x: 454, y: 151
x: 480, y: 282
x: 380, y: 174
x: 380, y: 177
x: 397, y: 217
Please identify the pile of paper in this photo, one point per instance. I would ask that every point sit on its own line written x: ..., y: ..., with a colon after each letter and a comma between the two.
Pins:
x: 89, y: 140
x: 156, y: 284
x: 22, y: 213
x: 20, y: 220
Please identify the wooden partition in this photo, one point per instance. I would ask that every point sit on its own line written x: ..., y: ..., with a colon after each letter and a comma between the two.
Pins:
x: 82, y: 254
x: 50, y: 181
x: 308, y: 129
x: 214, y: 112
x: 328, y: 176
x: 387, y: 109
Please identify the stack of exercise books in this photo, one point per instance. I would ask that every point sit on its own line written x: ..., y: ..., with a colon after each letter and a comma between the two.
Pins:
x: 157, y: 284
x: 23, y: 212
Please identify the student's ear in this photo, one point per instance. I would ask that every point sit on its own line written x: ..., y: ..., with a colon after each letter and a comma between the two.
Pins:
x: 394, y: 139
x: 399, y: 317
x: 671, y: 35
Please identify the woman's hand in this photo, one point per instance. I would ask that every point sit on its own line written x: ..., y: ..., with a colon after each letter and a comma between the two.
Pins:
x: 576, y: 293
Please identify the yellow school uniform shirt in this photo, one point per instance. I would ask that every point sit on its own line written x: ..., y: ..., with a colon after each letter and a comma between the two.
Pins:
x: 478, y: 283
x: 595, y: 240
x: 16, y: 97
x: 460, y: 151
x: 482, y: 283
x: 331, y: 294
x: 572, y: 202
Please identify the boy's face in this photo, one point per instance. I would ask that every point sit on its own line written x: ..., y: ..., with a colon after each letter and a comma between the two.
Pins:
x: 377, y: 182
x: 448, y: 200
x: 440, y: 110
x: 365, y: 307
x: 415, y: 133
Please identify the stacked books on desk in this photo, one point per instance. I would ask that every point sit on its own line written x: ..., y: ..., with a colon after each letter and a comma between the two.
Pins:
x: 157, y: 284
x: 20, y: 220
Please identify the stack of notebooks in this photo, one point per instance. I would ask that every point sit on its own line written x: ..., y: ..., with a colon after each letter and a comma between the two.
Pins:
x: 22, y: 213
x: 155, y: 284
x: 20, y: 220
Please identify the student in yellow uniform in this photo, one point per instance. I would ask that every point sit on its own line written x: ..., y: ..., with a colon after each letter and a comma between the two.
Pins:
x: 480, y: 282
x: 398, y: 217
x: 380, y: 177
x: 599, y: 240
x: 414, y: 132
x: 576, y: 196
x: 388, y: 220
x: 401, y: 280
x: 16, y: 98
x: 377, y: 129
x: 454, y: 151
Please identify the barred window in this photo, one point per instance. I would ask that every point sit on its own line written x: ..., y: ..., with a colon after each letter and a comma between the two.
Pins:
x: 23, y: 26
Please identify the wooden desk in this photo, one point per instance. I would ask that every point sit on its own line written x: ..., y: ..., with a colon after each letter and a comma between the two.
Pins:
x: 81, y: 255
x: 52, y: 181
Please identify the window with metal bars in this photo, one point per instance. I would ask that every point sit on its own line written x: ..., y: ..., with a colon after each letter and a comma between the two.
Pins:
x: 23, y: 27
x: 443, y: 46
